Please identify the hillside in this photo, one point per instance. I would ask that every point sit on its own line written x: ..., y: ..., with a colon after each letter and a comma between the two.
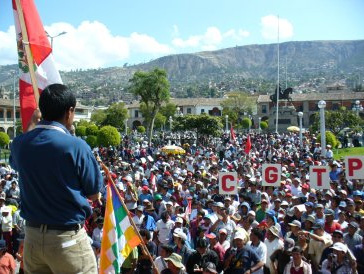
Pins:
x: 311, y: 65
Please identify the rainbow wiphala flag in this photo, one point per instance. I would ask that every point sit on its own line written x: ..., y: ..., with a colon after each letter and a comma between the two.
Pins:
x: 119, y: 237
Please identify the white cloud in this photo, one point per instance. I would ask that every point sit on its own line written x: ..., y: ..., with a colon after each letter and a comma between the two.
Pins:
x: 269, y: 25
x: 210, y: 40
x: 90, y: 45
x: 8, y: 49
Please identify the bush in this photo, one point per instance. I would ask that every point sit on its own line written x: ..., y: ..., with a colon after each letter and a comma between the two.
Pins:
x: 92, y: 130
x: 330, y: 139
x: 81, y: 131
x: 4, y: 139
x: 141, y: 129
x: 246, y: 123
x: 91, y: 140
x: 263, y: 125
x: 108, y: 136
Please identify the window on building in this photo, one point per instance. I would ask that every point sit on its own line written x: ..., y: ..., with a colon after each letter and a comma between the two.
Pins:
x: 189, y: 111
x: 136, y: 114
x: 335, y: 106
x: 264, y: 108
x: 17, y: 115
x: 8, y: 114
x: 202, y: 110
x: 1, y: 114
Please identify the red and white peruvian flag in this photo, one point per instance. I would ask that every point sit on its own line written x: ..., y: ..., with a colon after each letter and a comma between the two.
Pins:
x: 45, y: 70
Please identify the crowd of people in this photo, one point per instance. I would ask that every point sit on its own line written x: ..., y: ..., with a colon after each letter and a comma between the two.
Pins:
x: 188, y: 227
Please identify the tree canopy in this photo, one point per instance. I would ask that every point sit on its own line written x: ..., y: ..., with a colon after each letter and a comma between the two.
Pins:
x: 204, y: 124
x: 153, y: 89
x: 336, y: 121
x: 108, y: 136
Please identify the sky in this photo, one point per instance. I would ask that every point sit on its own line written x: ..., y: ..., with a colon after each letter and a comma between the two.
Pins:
x: 117, y: 32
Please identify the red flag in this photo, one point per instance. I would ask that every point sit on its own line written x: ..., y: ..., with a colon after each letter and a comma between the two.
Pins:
x: 248, y: 145
x: 45, y: 70
x: 232, y: 134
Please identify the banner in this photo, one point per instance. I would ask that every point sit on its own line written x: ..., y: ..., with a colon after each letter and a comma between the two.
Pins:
x: 271, y: 174
x: 228, y: 183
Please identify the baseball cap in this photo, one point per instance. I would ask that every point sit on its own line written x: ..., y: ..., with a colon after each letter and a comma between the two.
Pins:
x: 175, y: 259
x: 157, y: 197
x: 223, y: 231
x: 180, y: 234
x: 146, y: 188
x: 289, y: 244
x: 210, y: 268
x: 340, y: 247
x: 295, y: 223
x: 211, y: 235
x: 329, y: 212
x: 354, y: 224
x: 309, y: 204
x: 239, y: 235
x: 319, y: 224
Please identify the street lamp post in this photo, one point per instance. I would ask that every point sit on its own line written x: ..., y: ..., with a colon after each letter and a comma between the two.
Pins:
x: 300, y: 115
x: 52, y: 37
x: 259, y: 120
x: 170, y: 120
x: 357, y: 107
x: 226, y: 123
x: 126, y: 127
x: 322, y: 105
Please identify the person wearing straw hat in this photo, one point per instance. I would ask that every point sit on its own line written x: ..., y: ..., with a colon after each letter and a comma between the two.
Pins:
x: 175, y: 265
x: 273, y: 243
x: 58, y: 173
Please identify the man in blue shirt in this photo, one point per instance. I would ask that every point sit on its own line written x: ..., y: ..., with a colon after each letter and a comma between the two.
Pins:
x: 57, y: 174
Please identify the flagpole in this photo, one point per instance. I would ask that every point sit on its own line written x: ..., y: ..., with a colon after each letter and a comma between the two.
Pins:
x: 145, y: 249
x: 29, y: 56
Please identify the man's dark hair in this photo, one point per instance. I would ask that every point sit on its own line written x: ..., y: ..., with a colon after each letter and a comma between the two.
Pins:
x: 145, y: 233
x: 55, y: 101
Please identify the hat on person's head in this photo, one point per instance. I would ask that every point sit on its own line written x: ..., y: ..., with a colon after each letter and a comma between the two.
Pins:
x: 350, y: 202
x: 311, y: 218
x: 277, y: 201
x: 329, y: 212
x: 128, y: 178
x: 179, y: 220
x: 319, y: 206
x: 319, y: 224
x: 210, y: 268
x: 305, y: 186
x: 251, y: 212
x: 175, y: 259
x: 145, y: 188
x: 274, y: 230
x: 227, y: 198
x: 354, y: 224
x: 309, y: 204
x: 220, y: 204
x: 5, y: 209
x: 284, y: 203
x: 239, y: 235
x: 340, y: 247
x: 158, y: 197
x: 169, y: 203
x: 210, y: 236
x: 264, y: 201
x: 342, y: 204
x: 140, y: 208
x: 289, y: 244
x: 223, y: 231
x: 180, y: 234
x: 357, y: 193
x: 2, y: 196
x: 295, y: 223
x: 338, y: 232
x: 150, y: 208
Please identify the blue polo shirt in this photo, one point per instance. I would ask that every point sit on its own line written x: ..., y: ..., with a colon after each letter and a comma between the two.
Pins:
x: 57, y: 171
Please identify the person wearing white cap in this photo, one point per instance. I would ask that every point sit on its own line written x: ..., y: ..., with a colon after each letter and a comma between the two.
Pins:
x: 181, y: 247
x: 339, y: 262
x: 241, y: 258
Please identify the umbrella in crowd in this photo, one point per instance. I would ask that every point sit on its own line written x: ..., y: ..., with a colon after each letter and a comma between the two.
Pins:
x: 293, y: 129
x: 172, y: 149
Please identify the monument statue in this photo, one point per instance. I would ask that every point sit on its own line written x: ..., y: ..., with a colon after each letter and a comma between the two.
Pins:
x: 282, y: 95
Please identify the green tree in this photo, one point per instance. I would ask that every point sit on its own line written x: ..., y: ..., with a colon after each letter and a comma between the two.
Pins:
x: 98, y: 117
x: 238, y: 104
x: 168, y: 109
x: 246, y: 123
x: 153, y: 89
x: 116, y: 115
x: 92, y: 129
x: 336, y: 121
x: 263, y: 125
x: 160, y: 120
x: 330, y: 139
x: 108, y: 136
x: 204, y: 124
x: 91, y: 140
x: 141, y: 129
x: 80, y: 131
x: 83, y: 122
x: 4, y: 139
